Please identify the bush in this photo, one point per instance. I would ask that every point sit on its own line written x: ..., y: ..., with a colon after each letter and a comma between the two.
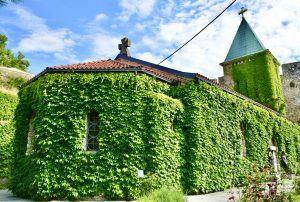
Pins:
x: 263, y: 186
x: 164, y: 195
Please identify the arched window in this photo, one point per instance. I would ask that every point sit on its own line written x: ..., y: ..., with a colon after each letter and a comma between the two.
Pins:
x: 92, y: 143
x: 273, y: 160
x: 30, y: 134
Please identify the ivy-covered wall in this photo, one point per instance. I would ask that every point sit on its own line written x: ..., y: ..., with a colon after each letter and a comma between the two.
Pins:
x: 257, y: 77
x: 136, y: 119
x: 8, y: 104
x: 188, y: 135
x: 214, y: 123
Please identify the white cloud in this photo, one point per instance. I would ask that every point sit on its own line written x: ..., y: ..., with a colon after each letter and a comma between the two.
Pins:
x: 104, y: 45
x: 42, y: 38
x: 140, y: 7
x: 100, y: 17
x: 275, y: 22
x: 46, y: 41
x: 168, y: 7
x: 147, y: 56
x: 157, y: 28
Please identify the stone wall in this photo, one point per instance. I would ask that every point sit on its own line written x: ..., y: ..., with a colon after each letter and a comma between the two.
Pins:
x: 8, y: 74
x: 291, y: 89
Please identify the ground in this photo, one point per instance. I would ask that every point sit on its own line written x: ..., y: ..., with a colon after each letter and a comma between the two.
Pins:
x: 223, y: 196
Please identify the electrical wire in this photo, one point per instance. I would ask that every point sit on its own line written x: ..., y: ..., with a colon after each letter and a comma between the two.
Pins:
x: 198, y: 32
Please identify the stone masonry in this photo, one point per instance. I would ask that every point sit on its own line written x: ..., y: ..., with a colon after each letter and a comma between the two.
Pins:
x: 291, y: 89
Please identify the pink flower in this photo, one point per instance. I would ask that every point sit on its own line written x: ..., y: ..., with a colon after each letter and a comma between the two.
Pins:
x: 273, y: 191
x: 231, y: 197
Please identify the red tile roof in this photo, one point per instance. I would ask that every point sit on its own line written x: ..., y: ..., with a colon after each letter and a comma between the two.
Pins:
x: 99, y: 64
x: 118, y: 64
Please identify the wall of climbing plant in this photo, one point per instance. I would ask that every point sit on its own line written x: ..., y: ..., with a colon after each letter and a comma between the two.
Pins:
x: 8, y: 104
x: 214, y: 124
x: 259, y: 79
x: 136, y: 132
x: 188, y: 135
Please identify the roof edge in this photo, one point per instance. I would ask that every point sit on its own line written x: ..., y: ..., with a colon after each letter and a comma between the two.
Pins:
x: 244, y: 57
x: 156, y: 66
x: 47, y: 70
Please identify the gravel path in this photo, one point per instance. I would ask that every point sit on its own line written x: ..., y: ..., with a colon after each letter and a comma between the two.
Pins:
x: 223, y: 196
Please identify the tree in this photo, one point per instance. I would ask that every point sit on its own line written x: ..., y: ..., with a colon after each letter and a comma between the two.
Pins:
x: 4, y: 2
x: 8, y: 59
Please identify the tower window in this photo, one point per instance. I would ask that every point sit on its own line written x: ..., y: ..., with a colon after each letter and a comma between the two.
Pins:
x: 92, y: 143
x: 292, y: 84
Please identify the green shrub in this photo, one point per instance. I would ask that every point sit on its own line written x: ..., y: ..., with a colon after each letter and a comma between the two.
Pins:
x: 164, y: 195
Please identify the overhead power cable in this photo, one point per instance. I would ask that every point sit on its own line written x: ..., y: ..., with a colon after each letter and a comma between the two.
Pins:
x: 198, y: 32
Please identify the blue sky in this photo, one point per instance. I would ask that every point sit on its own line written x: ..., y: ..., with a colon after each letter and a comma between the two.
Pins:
x: 70, y: 31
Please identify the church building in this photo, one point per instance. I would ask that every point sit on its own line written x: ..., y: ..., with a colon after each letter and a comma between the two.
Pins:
x: 112, y: 127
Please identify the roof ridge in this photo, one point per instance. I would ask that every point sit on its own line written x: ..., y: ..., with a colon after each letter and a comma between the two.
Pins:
x: 126, y: 62
x: 79, y: 63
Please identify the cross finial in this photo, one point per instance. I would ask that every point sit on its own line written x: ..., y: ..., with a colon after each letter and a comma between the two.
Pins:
x: 124, y: 46
x: 243, y: 10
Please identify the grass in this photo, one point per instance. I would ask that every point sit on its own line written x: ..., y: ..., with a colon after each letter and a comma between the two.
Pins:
x: 3, y: 186
x: 296, y: 197
x: 164, y: 195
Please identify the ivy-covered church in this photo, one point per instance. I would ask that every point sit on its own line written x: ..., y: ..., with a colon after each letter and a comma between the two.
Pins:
x: 85, y: 129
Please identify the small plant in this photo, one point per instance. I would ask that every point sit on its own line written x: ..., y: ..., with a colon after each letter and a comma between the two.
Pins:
x: 164, y: 194
x: 3, y: 183
x: 262, y: 186
x: 148, y: 184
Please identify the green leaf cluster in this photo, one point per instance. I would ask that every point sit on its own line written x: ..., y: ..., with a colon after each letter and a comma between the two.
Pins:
x: 8, y: 59
x: 257, y: 77
x: 8, y: 104
x: 214, y: 123
x: 185, y: 136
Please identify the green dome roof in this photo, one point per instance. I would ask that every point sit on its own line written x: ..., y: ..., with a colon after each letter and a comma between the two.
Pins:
x: 244, y: 43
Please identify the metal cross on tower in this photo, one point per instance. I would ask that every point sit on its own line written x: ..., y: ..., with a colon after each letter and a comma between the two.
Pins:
x: 124, y: 46
x: 243, y: 10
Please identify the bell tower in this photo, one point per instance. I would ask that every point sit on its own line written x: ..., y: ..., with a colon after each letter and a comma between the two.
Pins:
x: 252, y: 70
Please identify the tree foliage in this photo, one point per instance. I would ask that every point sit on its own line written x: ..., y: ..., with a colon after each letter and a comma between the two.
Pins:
x: 8, y: 59
x: 4, y: 2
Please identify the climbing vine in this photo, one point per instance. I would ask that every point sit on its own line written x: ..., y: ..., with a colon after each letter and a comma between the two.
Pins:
x: 8, y: 104
x: 258, y: 83
x: 211, y: 125
x: 187, y: 135
x: 135, y: 133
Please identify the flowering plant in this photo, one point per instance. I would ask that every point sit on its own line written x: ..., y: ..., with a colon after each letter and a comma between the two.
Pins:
x: 263, y: 186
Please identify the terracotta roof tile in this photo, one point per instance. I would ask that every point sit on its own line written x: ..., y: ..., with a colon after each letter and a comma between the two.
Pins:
x: 100, y: 64
x: 116, y: 64
x: 151, y: 70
